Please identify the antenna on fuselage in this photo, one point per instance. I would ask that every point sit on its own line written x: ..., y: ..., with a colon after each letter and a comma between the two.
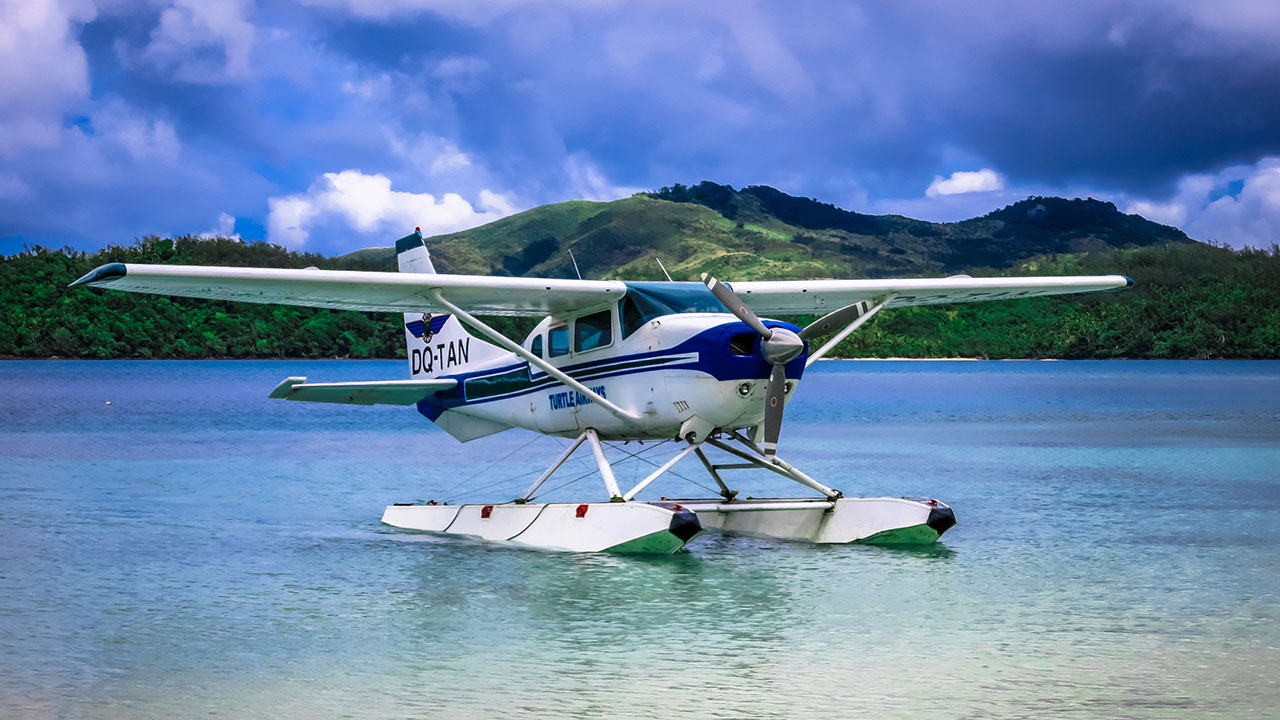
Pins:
x: 575, y: 264
x: 664, y: 268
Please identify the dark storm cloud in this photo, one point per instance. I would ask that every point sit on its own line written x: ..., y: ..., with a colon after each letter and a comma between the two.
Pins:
x: 1136, y: 115
x: 1126, y: 96
x: 195, y: 109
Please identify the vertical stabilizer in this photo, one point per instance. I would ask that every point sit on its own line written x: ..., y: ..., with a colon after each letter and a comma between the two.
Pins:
x: 438, y: 344
x: 412, y: 255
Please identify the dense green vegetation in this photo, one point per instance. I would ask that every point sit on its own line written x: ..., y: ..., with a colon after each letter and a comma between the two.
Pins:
x: 1191, y: 300
x: 41, y: 317
x: 1188, y: 301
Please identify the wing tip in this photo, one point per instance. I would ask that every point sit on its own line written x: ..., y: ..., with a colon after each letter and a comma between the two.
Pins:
x: 103, y: 274
x: 282, y: 391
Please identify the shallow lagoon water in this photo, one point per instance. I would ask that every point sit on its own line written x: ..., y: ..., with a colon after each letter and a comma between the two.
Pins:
x: 195, y: 549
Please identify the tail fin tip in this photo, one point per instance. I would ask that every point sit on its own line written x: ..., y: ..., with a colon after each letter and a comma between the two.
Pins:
x: 409, y: 242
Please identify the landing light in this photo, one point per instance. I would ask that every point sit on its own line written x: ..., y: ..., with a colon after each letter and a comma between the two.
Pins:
x: 744, y: 389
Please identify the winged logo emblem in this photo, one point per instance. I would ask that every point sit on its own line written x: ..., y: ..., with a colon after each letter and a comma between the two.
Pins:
x: 427, y: 327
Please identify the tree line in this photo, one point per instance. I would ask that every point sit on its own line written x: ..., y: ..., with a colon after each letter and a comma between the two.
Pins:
x: 1190, y: 301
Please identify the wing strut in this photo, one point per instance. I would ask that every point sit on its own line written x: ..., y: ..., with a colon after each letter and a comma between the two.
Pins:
x: 860, y: 318
x: 545, y: 366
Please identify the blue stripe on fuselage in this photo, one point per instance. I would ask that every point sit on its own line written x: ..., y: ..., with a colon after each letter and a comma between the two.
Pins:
x: 710, y: 345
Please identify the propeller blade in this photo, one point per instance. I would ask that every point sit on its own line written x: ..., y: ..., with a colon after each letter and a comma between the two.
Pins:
x: 734, y: 305
x: 835, y: 320
x: 775, y: 400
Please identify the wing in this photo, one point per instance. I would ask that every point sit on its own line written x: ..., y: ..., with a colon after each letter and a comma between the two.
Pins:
x: 377, y: 392
x: 787, y: 297
x: 483, y: 295
x: 350, y: 290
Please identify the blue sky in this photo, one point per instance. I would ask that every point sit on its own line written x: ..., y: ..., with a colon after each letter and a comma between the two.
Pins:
x: 330, y: 125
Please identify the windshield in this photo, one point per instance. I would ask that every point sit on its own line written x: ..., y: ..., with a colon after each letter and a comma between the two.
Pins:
x: 645, y: 301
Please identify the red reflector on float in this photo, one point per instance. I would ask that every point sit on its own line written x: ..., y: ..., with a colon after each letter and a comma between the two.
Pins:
x: 486, y: 511
x: 582, y: 511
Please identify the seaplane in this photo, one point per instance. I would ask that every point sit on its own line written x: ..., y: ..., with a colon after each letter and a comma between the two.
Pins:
x: 702, y: 365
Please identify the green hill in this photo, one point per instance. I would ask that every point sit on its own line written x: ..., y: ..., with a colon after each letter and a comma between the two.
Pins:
x: 760, y: 233
x: 1191, y: 299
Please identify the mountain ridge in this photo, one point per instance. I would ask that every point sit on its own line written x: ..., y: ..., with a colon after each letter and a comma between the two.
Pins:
x: 759, y: 232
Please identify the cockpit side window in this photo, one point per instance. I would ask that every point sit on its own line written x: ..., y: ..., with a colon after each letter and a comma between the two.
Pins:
x: 535, y: 347
x: 558, y: 340
x: 593, y: 331
x: 632, y: 317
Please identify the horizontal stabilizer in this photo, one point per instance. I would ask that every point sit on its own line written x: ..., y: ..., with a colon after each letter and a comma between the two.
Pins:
x: 375, y: 392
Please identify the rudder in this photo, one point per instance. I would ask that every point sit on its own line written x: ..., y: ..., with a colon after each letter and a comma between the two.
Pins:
x: 438, y: 344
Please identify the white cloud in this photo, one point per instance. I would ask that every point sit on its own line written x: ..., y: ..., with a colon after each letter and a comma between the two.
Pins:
x: 1173, y: 213
x: 473, y: 11
x: 188, y: 30
x: 124, y: 127
x: 43, y: 71
x: 494, y: 203
x: 587, y: 182
x: 449, y: 159
x: 766, y: 55
x: 377, y: 88
x: 289, y: 220
x: 1238, y: 205
x: 12, y: 186
x: 460, y: 73
x: 1250, y: 217
x: 984, y: 180
x: 368, y: 205
x: 226, y: 228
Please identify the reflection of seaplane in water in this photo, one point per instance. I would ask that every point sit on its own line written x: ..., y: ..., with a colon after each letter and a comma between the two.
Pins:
x: 612, y: 361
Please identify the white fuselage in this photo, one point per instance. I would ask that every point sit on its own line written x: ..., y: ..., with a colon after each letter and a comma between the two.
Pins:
x: 680, y: 373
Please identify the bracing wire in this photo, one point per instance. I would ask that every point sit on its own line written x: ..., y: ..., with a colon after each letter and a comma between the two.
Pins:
x: 594, y: 469
x: 458, y: 487
x: 564, y: 485
x: 672, y: 471
x: 640, y: 456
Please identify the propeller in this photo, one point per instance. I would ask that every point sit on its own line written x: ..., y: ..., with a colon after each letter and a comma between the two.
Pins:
x: 778, y: 346
x: 840, y: 318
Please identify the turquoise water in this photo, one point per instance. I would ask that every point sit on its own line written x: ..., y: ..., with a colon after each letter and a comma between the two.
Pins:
x: 194, y: 549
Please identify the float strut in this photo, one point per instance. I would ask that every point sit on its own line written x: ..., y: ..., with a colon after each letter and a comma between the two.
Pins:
x: 564, y: 457
x: 725, y: 492
x: 606, y: 472
x: 693, y: 447
x: 777, y: 465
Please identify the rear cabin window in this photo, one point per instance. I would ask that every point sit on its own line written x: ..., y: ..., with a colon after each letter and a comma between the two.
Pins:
x: 593, y: 331
x: 536, y: 346
x: 559, y: 341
